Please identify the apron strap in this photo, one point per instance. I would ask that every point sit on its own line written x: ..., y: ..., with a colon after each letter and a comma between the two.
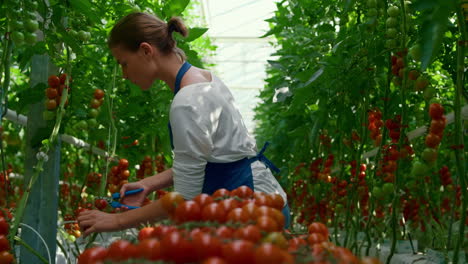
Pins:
x: 261, y: 157
x: 180, y: 74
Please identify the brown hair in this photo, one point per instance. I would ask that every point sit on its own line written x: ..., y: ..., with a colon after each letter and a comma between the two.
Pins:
x: 136, y: 28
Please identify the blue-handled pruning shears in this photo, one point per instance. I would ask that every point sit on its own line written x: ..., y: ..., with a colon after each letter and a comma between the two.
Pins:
x: 114, y: 199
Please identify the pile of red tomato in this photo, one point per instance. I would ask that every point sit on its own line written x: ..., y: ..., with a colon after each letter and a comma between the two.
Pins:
x: 6, y: 257
x: 238, y: 226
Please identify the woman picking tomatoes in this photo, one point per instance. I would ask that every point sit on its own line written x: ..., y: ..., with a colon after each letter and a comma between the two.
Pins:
x: 211, y: 145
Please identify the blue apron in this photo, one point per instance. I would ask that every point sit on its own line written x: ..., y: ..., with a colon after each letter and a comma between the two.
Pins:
x: 232, y: 174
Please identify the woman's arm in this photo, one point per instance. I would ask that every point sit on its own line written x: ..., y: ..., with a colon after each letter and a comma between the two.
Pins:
x: 150, y: 184
x: 158, y: 181
x: 97, y: 221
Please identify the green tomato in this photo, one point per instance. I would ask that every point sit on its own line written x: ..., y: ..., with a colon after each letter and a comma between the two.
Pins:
x: 34, y: 5
x: 387, y: 188
x: 93, y: 113
x: 429, y: 93
x: 81, y: 125
x: 419, y: 169
x: 17, y: 37
x: 391, y: 43
x: 92, y: 123
x: 30, y: 38
x: 16, y: 25
x: 83, y: 35
x: 371, y: 3
x: 391, y: 22
x: 392, y: 33
x: 372, y: 12
x: 377, y: 192
x: 31, y: 25
x: 73, y: 33
x: 48, y: 115
x: 393, y: 11
x: 429, y: 155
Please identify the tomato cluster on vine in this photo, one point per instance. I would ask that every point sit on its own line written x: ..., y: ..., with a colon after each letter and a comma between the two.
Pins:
x: 95, y: 103
x: 238, y: 226
x: 375, y: 124
x: 438, y: 122
x: 54, y: 94
x: 6, y: 256
x: 118, y: 176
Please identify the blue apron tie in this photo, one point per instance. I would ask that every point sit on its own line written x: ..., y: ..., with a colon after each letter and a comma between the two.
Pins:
x: 180, y: 74
x: 261, y: 157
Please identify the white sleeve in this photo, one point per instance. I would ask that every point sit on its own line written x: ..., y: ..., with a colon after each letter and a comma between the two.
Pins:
x: 192, y: 146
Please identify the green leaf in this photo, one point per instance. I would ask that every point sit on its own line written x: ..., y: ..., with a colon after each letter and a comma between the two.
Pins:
x: 314, y: 76
x: 175, y: 7
x: 195, y: 33
x: 85, y: 7
x: 433, y: 31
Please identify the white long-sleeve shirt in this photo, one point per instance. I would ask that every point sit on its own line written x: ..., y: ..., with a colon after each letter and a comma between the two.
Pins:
x: 208, y: 127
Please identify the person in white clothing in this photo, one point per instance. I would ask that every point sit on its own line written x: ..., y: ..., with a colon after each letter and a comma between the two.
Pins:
x: 211, y: 145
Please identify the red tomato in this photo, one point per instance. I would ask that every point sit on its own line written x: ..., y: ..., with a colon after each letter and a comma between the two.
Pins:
x: 4, y: 226
x: 214, y: 212
x: 262, y: 199
x: 239, y: 251
x: 207, y: 246
x: 100, y: 204
x: 252, y: 210
x: 243, y: 192
x: 238, y: 215
x: 432, y: 140
x: 249, y: 232
x: 178, y: 249
x: 295, y: 243
x: 317, y: 227
x: 146, y: 233
x: 120, y: 250
x: 92, y: 256
x: 221, y: 193
x: 4, y: 243
x: 224, y: 232
x: 124, y: 174
x: 229, y: 204
x: 53, y: 81
x: 268, y: 253
x: 98, y: 94
x: 316, y: 238
x: 123, y: 164
x: 436, y: 111
x: 277, y: 201
x: 161, y: 231
x: 187, y: 211
x: 214, y: 260
x: 438, y: 126
x: 63, y: 78
x: 51, y: 104
x: 268, y: 224
x: 203, y: 199
x: 51, y: 93
x: 170, y: 201
x: 7, y: 258
x: 150, y: 249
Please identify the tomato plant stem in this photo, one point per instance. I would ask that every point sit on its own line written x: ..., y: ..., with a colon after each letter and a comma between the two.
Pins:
x: 3, y: 102
x: 459, y: 150
x: 404, y: 122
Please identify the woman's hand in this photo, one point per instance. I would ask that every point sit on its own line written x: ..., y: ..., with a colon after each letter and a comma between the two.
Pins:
x: 91, y: 221
x: 134, y: 199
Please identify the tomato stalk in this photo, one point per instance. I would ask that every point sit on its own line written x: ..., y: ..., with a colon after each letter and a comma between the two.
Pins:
x: 112, y: 133
x: 3, y: 97
x: 459, y: 141
x: 396, y: 182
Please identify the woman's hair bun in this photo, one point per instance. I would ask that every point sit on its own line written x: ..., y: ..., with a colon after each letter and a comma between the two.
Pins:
x: 176, y: 24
